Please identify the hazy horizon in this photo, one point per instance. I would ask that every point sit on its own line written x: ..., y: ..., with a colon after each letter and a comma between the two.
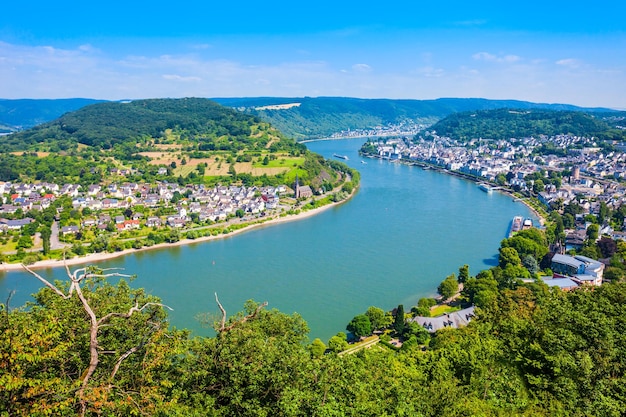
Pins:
x: 543, y: 52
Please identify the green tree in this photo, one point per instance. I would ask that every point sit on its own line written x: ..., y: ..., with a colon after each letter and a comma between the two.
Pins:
x: 592, y: 232
x: 463, y: 273
x: 317, y: 348
x: 63, y: 359
x: 46, y: 233
x: 448, y: 287
x: 398, y: 323
x: 360, y: 326
x: 531, y: 264
x: 424, y: 305
x: 24, y: 242
x: 413, y: 329
x: 482, y: 290
x: 508, y: 256
x: 377, y: 318
x: 603, y: 212
x: 338, y: 343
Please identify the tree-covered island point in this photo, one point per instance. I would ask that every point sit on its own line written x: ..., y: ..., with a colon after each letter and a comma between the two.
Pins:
x: 539, y: 334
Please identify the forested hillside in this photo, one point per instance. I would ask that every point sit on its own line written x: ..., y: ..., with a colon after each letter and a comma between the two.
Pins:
x: 305, y: 118
x: 104, y: 125
x: 517, y: 123
x: 26, y: 113
x: 300, y: 117
x: 195, y: 140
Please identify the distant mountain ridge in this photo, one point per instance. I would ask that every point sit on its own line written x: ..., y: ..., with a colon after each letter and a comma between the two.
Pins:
x: 26, y: 113
x: 305, y: 118
x: 323, y: 116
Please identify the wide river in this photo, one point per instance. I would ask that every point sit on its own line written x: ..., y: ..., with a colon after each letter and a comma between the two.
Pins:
x: 404, y: 231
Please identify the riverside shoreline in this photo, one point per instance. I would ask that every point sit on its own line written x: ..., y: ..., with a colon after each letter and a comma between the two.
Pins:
x: 542, y: 219
x: 98, y: 257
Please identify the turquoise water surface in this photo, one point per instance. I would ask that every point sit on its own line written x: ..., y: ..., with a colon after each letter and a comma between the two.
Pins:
x: 403, y: 232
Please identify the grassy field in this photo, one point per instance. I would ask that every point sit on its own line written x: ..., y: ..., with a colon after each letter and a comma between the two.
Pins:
x: 443, y: 309
x: 280, y: 162
x: 171, y: 153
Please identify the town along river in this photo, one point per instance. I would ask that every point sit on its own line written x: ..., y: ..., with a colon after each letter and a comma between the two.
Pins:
x: 403, y: 232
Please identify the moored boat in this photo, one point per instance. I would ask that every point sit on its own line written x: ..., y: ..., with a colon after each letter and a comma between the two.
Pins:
x: 516, y: 225
x: 486, y: 188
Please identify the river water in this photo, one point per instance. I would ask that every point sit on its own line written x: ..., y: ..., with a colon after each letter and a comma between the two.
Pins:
x: 404, y: 231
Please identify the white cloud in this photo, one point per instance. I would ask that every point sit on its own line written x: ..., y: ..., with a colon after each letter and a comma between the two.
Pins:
x: 361, y: 68
x: 176, y: 77
x: 569, y: 62
x: 431, y: 72
x: 92, y: 71
x: 486, y: 56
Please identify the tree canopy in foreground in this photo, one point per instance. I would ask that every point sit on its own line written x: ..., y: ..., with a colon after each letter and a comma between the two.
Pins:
x: 531, y: 351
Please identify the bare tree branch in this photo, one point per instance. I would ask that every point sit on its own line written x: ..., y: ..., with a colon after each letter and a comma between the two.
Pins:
x: 46, y: 282
x: 223, y: 322
x: 93, y: 345
x: 76, y: 278
x: 122, y: 357
x: 246, y: 318
x: 130, y: 312
x: 224, y: 328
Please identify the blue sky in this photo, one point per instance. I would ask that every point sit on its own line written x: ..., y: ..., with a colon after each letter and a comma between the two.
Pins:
x: 548, y: 51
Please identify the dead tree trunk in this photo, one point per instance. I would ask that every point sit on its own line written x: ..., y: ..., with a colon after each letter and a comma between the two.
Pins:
x: 223, y: 328
x: 76, y: 278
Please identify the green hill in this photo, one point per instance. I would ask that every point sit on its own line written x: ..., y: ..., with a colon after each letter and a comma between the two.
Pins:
x: 306, y: 118
x: 298, y: 117
x: 25, y: 113
x: 105, y: 125
x: 195, y: 139
x: 519, y: 123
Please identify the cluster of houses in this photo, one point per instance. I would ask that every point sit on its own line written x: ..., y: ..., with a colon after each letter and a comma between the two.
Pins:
x: 213, y: 204
x: 487, y: 159
x: 404, y: 128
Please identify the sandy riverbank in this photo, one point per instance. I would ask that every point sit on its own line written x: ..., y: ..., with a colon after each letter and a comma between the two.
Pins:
x: 97, y: 257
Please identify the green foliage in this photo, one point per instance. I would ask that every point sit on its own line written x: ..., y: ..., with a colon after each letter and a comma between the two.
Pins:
x: 592, y: 232
x: 424, y: 306
x: 316, y: 117
x: 463, y: 273
x: 515, y: 123
x: 508, y: 256
x: 526, y: 242
x: 338, y: 342
x: 123, y: 130
x: 531, y: 351
x: 360, y: 326
x: 481, y: 291
x: 448, y: 287
x: 377, y: 317
x: 317, y: 348
x: 399, y: 322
